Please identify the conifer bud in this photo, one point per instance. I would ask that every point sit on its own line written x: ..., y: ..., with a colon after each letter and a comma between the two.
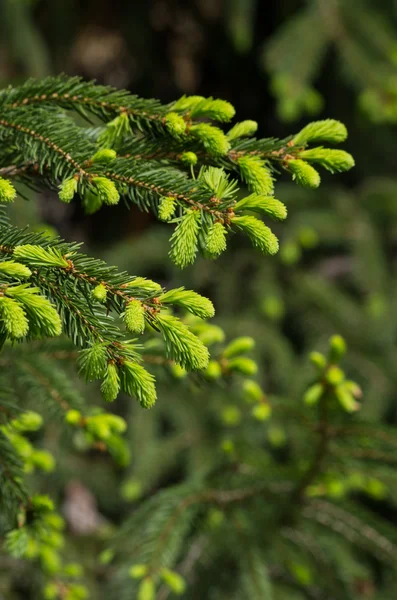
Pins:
x: 216, y: 240
x: 184, y: 239
x: 187, y: 103
x: 212, y: 138
x: 14, y: 269
x: 256, y: 174
x: 195, y: 303
x: 13, y: 318
x: 36, y: 256
x: 213, y: 371
x: 175, y: 124
x: 334, y: 375
x: 145, y: 285
x: 73, y: 417
x: 138, y: 382
x: 107, y: 190
x: 100, y: 292
x: 173, y: 580
x: 238, y: 346
x: 44, y: 460
x: 260, y: 235
x: 335, y: 161
x: 328, y: 130
x: 177, y: 371
x: 134, y: 316
x: 104, y: 155
x: 146, y: 590
x: 318, y: 360
x: 337, y: 348
x: 111, y: 384
x: 243, y: 129
x: 189, y: 158
x: 265, y: 204
x: 304, y: 174
x: 313, y: 394
x: 167, y: 208
x: 252, y: 391
x: 346, y: 399
x: 137, y: 571
x: 67, y: 189
x: 7, y: 191
x: 262, y: 411
x: 243, y: 365
x: 27, y: 421
x: 213, y: 108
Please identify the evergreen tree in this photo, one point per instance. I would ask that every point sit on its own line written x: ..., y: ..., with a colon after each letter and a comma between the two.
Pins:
x: 274, y: 504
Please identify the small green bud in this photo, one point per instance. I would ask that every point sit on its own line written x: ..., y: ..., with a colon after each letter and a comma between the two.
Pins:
x: 7, y: 191
x: 328, y: 130
x: 14, y: 269
x: 262, y: 411
x: 231, y: 415
x: 146, y: 590
x: 216, y: 240
x: 260, y: 235
x: 67, y: 189
x: 337, y: 348
x: 111, y: 384
x: 256, y: 173
x: 73, y: 417
x: 273, y: 307
x: 187, y: 103
x: 346, y: 399
x: 313, y: 394
x: 106, y: 189
x: 50, y: 560
x: 227, y: 446
x: 134, y: 316
x: 252, y: 391
x: 212, y: 138
x: 243, y: 129
x: 73, y: 570
x: 50, y: 591
x: 167, y: 208
x: 376, y: 488
x: 77, y: 592
x: 146, y: 285
x: 43, y: 460
x: 138, y: 571
x: 308, y: 237
x: 290, y: 253
x: 304, y: 174
x: 189, y: 158
x: 335, y: 161
x: 27, y: 421
x: 174, y: 581
x: 334, y: 375
x: 238, y: 346
x: 354, y: 389
x: 104, y: 155
x: 276, y: 436
x: 13, y: 318
x: 106, y: 556
x: 213, y: 371
x: 177, y: 371
x: 175, y: 124
x: 318, y: 360
x: 243, y: 365
x: 131, y: 490
x: 100, y: 293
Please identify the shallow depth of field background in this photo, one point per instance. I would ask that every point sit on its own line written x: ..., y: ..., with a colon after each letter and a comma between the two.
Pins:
x: 336, y: 271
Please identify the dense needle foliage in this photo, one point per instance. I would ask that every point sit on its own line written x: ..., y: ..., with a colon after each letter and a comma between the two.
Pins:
x: 270, y: 489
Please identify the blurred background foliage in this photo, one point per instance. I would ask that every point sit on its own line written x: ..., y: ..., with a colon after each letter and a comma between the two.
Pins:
x: 280, y: 63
